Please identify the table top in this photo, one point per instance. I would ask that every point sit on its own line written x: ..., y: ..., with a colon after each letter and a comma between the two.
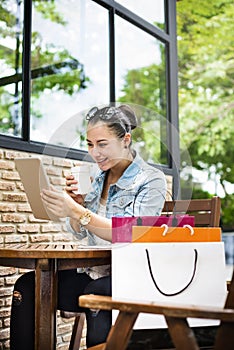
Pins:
x: 52, y: 250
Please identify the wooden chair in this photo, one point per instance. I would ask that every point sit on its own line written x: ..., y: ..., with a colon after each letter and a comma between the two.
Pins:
x: 182, y: 334
x: 77, y: 330
x: 206, y: 212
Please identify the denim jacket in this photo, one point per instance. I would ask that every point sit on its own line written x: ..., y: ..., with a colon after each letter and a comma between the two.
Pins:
x: 141, y: 190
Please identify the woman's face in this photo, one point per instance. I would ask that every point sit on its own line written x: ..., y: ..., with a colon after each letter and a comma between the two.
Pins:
x: 104, y: 147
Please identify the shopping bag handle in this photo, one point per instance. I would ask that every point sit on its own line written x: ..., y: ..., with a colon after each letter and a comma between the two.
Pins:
x: 184, y: 288
x: 166, y: 227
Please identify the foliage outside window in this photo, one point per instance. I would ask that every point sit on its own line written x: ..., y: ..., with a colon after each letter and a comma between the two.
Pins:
x: 206, y: 74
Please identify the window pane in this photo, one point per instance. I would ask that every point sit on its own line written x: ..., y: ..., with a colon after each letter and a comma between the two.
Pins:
x: 11, y: 19
x: 141, y: 81
x: 150, y: 10
x: 70, y: 66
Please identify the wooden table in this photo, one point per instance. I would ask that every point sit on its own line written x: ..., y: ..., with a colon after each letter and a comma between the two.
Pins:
x: 46, y: 260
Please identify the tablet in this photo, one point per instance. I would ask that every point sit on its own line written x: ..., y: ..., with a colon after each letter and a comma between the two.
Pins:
x: 34, y: 180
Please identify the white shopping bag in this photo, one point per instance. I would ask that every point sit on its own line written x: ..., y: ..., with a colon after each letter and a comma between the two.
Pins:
x: 184, y: 273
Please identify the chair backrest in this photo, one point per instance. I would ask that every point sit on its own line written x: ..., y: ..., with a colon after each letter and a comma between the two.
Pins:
x: 206, y: 211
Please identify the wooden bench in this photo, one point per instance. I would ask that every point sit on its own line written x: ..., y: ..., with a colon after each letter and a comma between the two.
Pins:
x: 182, y: 334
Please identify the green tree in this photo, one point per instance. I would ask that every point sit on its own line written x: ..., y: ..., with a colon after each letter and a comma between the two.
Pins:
x: 206, y: 74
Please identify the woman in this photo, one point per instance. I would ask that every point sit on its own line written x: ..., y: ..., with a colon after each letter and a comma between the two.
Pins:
x: 125, y: 185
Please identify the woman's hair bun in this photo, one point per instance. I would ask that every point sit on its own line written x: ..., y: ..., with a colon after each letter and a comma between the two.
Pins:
x: 130, y: 114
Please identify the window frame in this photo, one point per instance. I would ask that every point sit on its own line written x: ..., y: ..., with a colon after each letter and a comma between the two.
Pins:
x: 167, y: 36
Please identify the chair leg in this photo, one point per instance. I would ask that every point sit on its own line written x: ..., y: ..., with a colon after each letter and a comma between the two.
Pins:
x: 77, y: 332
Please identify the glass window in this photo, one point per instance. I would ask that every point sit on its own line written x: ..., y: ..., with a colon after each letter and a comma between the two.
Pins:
x: 73, y: 68
x: 141, y: 82
x: 11, y: 14
x: 150, y: 10
x: 70, y: 52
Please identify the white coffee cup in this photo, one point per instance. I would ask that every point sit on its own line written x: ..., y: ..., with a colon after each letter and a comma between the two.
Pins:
x: 81, y: 174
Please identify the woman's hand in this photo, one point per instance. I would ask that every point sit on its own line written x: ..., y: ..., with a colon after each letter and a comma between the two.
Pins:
x: 69, y: 189
x: 60, y: 203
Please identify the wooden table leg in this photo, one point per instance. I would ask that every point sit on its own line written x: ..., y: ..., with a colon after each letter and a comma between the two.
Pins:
x: 45, y: 304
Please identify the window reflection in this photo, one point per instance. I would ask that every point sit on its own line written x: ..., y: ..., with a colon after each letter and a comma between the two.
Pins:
x: 70, y: 65
x: 141, y: 81
x: 150, y: 10
x: 11, y: 67
x: 70, y: 70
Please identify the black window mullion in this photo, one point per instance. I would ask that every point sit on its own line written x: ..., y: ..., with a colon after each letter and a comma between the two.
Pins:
x: 172, y: 96
x: 112, y: 54
x: 26, y: 70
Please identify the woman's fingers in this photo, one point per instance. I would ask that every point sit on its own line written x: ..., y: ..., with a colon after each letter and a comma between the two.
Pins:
x: 60, y: 202
x: 50, y: 197
x: 57, y: 202
x: 70, y: 180
x: 71, y: 185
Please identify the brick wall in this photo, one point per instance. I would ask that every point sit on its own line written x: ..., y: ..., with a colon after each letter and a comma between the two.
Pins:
x: 17, y: 224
